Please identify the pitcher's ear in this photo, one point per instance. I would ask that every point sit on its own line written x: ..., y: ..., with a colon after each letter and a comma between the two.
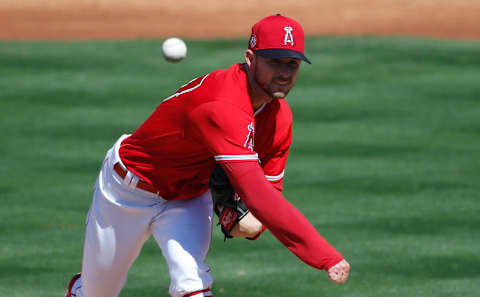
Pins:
x: 249, y: 58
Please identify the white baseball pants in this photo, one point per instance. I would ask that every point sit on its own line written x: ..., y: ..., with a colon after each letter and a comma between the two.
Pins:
x: 120, y: 220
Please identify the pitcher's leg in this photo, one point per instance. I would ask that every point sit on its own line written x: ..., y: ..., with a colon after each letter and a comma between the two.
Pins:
x: 114, y: 237
x: 183, y: 232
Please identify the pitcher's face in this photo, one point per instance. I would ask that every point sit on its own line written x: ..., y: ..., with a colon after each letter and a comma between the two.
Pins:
x: 276, y: 76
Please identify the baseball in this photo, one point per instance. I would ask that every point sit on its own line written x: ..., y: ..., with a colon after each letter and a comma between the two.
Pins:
x: 174, y: 49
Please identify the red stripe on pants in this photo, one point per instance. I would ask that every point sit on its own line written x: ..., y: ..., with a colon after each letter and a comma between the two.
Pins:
x: 197, y: 292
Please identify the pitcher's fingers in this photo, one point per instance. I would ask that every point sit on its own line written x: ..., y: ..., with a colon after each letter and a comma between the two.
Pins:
x: 339, y: 273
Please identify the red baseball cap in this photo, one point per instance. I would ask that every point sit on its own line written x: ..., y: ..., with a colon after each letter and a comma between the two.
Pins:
x: 278, y: 36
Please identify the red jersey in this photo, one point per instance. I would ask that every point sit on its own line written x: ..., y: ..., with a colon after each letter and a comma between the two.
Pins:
x: 208, y: 120
x: 211, y: 120
x: 273, y: 136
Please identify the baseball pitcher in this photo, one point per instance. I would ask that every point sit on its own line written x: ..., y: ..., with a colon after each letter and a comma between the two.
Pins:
x: 155, y: 181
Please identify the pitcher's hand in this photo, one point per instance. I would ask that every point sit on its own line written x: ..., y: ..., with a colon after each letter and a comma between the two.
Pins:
x: 339, y: 272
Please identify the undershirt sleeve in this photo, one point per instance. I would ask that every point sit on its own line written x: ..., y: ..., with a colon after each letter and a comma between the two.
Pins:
x: 285, y: 222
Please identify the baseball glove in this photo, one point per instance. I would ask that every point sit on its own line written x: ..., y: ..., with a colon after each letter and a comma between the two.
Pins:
x: 226, y: 203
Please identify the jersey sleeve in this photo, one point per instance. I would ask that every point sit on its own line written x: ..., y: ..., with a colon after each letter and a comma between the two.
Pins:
x: 273, y: 164
x: 274, y: 139
x: 226, y: 130
x: 274, y: 169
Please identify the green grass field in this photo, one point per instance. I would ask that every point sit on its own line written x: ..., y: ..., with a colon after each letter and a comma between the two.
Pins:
x: 385, y: 163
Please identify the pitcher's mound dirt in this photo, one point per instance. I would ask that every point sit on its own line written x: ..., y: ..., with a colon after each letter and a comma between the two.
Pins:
x: 118, y: 19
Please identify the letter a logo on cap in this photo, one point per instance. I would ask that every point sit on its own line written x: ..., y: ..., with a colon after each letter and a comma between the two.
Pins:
x: 288, y: 35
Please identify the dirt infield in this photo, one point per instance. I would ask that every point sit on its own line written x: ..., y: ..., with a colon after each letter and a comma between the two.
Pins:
x: 118, y: 19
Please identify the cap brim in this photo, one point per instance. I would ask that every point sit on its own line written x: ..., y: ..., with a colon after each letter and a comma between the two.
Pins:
x: 277, y: 53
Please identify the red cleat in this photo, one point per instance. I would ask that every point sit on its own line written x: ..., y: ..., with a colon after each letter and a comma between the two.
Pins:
x: 73, y: 286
